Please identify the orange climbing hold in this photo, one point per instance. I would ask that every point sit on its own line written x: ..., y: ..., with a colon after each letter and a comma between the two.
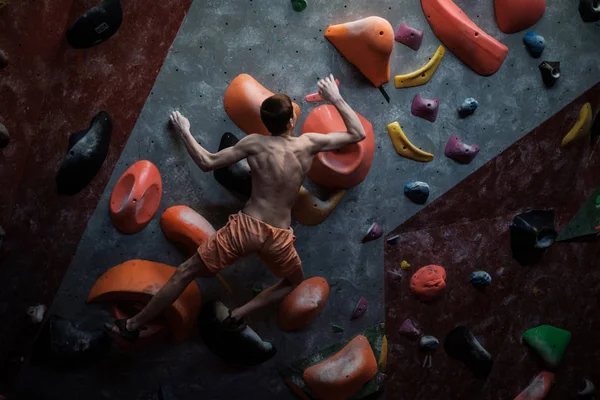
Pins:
x: 136, y: 197
x: 429, y: 282
x: 517, y: 15
x: 303, y: 304
x: 348, y: 166
x: 538, y: 388
x: 186, y: 227
x: 345, y: 373
x: 467, y: 41
x: 366, y: 43
x: 242, y: 102
x: 138, y: 281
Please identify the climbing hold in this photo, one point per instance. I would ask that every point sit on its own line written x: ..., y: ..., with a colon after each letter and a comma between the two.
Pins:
x: 535, y: 44
x: 425, y: 108
x: 467, y: 41
x: 303, y: 304
x: 462, y: 345
x: 467, y: 107
x: 345, y: 373
x: 429, y: 282
x: 538, y: 388
x: 3, y: 59
x: 550, y: 72
x: 243, y: 347
x: 236, y: 178
x: 588, y: 388
x: 531, y: 232
x: 589, y: 10
x: 384, y: 353
x: 582, y: 128
x: 516, y: 15
x: 4, y: 136
x: 85, y: 155
x: 68, y: 342
x: 316, y: 97
x: 366, y: 43
x: 185, y: 227
x: 310, y: 210
x: 360, y: 309
x: 136, y: 197
x: 299, y: 5
x: 429, y: 343
x: 96, y: 25
x: 549, y: 342
x: 409, y: 330
x: 423, y: 74
x: 36, y: 313
x: 393, y: 240
x: 459, y: 151
x: 346, y: 167
x: 337, y: 328
x: 404, y: 147
x: 408, y: 36
x: 375, y: 231
x: 242, y: 102
x: 586, y: 220
x: 417, y: 192
x: 536, y: 292
x: 480, y: 279
x: 404, y: 265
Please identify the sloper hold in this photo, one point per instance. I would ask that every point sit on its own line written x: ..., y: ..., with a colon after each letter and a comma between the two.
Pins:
x: 467, y: 41
x: 409, y: 37
x: 429, y: 282
x: 303, y: 304
x: 588, y: 389
x: 360, y: 309
x: 4, y: 136
x: 409, y: 330
x: 429, y: 343
x: 374, y: 232
x: 539, y: 387
x: 534, y: 43
x: 582, y: 128
x: 184, y: 226
x: 462, y: 345
x: 423, y: 74
x: 550, y: 71
x: 417, y: 192
x: 586, y: 220
x: 344, y: 374
x: 309, y: 210
x: 236, y: 178
x: 85, y: 155
x: 531, y: 232
x: 589, y: 10
x: 404, y: 147
x: 67, y: 342
x: 242, y: 102
x: 136, y: 197
x: 425, y: 108
x: 550, y: 343
x: 480, y: 279
x: 467, y: 107
x: 517, y: 15
x: 366, y: 43
x: 459, y: 151
x: 96, y: 25
x: 3, y: 57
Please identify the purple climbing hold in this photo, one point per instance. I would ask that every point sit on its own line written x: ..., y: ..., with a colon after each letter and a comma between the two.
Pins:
x: 409, y: 330
x: 459, y: 151
x: 360, y: 309
x: 410, y: 37
x: 425, y: 108
x: 375, y: 232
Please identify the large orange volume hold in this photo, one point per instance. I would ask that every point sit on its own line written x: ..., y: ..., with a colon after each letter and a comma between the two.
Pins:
x: 186, y: 227
x: 467, y: 41
x: 345, y: 373
x: 366, y: 43
x: 517, y: 15
x: 348, y: 166
x: 136, y: 197
x: 242, y: 102
x: 138, y: 281
x: 303, y: 304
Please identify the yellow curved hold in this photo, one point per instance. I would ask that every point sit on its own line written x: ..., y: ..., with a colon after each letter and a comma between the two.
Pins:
x: 423, y: 74
x: 383, y: 355
x: 310, y: 210
x: 404, y: 147
x: 582, y: 128
x: 405, y: 265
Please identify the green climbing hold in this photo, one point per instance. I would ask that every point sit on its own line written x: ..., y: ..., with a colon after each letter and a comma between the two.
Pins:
x: 586, y: 220
x: 299, y: 5
x: 337, y: 328
x: 549, y: 342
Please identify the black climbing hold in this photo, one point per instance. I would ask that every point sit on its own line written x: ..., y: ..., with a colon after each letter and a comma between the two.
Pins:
x: 96, y: 25
x: 467, y: 107
x: 86, y: 153
x: 3, y: 60
x: 530, y: 233
x: 589, y: 10
x: 242, y: 348
x: 393, y: 240
x: 462, y: 345
x: 429, y: 343
x: 4, y: 136
x: 237, y: 177
x: 480, y: 279
x: 299, y: 5
x: 587, y: 389
x: 418, y: 192
x: 550, y: 72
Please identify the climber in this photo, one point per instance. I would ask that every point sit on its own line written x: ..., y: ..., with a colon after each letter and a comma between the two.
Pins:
x: 279, y: 165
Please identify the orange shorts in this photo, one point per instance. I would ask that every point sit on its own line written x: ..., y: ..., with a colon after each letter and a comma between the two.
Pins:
x: 244, y: 235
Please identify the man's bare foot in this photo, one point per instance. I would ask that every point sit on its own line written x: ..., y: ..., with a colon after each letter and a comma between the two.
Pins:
x: 180, y: 123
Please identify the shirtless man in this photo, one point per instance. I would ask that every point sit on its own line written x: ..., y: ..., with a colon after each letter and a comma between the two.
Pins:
x: 279, y: 165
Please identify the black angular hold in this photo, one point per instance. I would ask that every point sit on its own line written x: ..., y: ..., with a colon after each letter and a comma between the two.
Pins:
x: 69, y: 343
x: 86, y: 153
x: 550, y: 72
x: 589, y: 10
x: 237, y: 177
x: 530, y: 234
x: 4, y: 136
x: 462, y: 345
x: 96, y: 25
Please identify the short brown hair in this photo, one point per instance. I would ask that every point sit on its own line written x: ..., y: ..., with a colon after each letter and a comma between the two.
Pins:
x: 276, y: 112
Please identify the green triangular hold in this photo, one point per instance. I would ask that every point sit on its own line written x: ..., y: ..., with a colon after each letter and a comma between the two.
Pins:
x: 337, y: 328
x: 549, y: 342
x: 586, y: 220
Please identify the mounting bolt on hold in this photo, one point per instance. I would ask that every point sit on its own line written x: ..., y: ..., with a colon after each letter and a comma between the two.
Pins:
x: 550, y: 71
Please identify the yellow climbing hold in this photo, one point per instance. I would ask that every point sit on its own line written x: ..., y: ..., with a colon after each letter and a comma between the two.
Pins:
x: 310, y: 210
x: 383, y: 355
x: 423, y: 74
x: 536, y: 292
x: 405, y: 265
x: 3, y: 3
x: 582, y: 128
x: 404, y: 147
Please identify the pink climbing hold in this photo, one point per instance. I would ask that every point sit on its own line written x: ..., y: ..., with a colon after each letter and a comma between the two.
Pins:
x: 425, y: 108
x: 361, y: 308
x: 316, y: 97
x: 409, y: 37
x: 459, y: 151
x: 375, y: 231
x: 409, y: 330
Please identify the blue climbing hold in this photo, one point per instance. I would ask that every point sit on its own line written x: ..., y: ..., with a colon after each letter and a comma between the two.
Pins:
x: 535, y: 44
x: 480, y: 279
x: 468, y: 107
x: 417, y: 192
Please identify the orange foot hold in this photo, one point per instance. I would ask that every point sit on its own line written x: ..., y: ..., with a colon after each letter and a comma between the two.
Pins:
x: 538, y: 388
x: 429, y: 282
x: 346, y: 167
x: 186, y: 227
x: 242, y: 102
x: 136, y: 197
x: 366, y: 43
x: 345, y: 373
x: 517, y: 15
x: 303, y: 304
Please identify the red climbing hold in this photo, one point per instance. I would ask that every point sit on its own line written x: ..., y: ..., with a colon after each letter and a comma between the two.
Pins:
x: 517, y: 15
x: 303, y: 304
x: 429, y: 282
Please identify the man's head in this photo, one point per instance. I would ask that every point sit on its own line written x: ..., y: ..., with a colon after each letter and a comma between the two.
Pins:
x: 277, y: 113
